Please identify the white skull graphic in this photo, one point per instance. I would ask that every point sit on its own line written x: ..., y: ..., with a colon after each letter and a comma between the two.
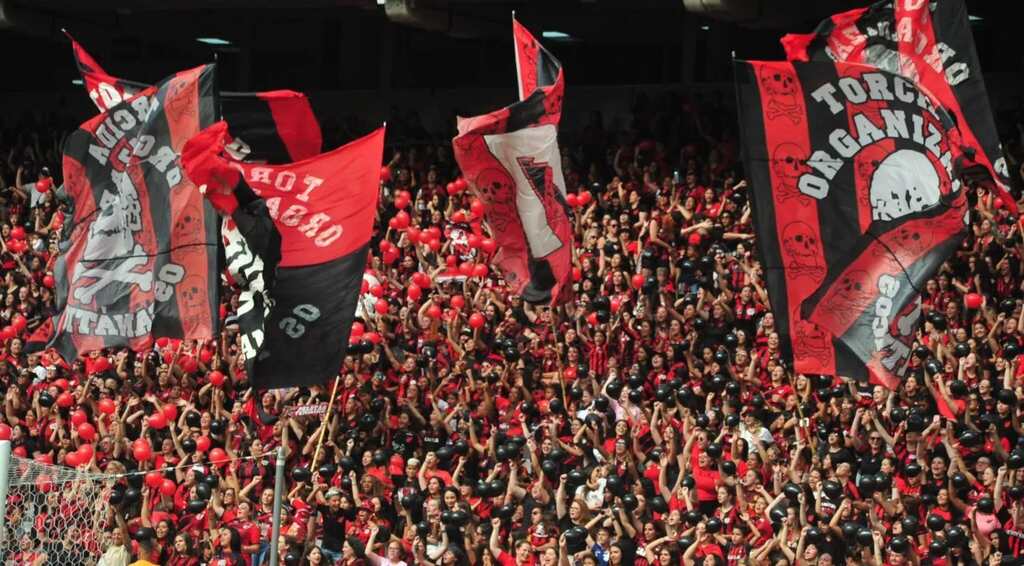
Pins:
x: 904, y: 183
x: 109, y: 234
x: 800, y: 246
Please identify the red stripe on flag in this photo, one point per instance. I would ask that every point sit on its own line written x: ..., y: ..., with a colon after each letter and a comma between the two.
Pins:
x: 296, y: 124
x: 796, y: 215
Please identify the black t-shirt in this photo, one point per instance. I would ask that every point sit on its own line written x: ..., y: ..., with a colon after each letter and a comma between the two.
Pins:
x: 334, y: 528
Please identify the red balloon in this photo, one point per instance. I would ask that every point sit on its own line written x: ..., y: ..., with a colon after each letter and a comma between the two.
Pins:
x: 414, y: 292
x: 43, y: 458
x: 413, y: 234
x: 458, y: 301
x: 205, y: 356
x: 638, y: 281
x: 44, y: 184
x: 421, y: 280
x: 385, y: 174
x: 72, y: 459
x: 18, y: 233
x: 78, y: 417
x: 162, y: 342
x: 372, y: 337
x: 20, y: 452
x: 461, y: 184
x: 476, y: 320
x: 476, y: 207
x: 377, y: 291
x: 100, y: 365
x: 85, y: 453
x: 466, y: 268
x: 202, y: 443
x: 61, y: 383
x: 49, y: 281
x: 390, y: 256
x: 216, y: 378
x: 616, y: 304
x: 451, y: 261
x: 693, y: 239
x: 65, y: 400
x: 434, y: 311
x: 401, y: 220
x: 86, y: 432
x: 592, y: 319
x: 450, y: 187
x: 474, y: 241
x: 170, y: 411
x: 401, y: 202
x: 158, y: 421
x: 106, y: 406
x: 218, y: 457
x: 385, y: 245
x: 154, y: 479
x: 973, y: 300
x: 19, y: 322
x: 459, y: 217
x: 5, y: 432
x: 572, y: 200
x: 998, y: 203
x: 489, y: 245
x: 381, y: 306
x: 480, y: 270
x: 357, y: 330
x: 142, y: 451
x: 8, y: 332
x: 189, y: 365
x: 434, y: 244
x: 167, y: 488
x: 435, y: 233
x: 584, y: 198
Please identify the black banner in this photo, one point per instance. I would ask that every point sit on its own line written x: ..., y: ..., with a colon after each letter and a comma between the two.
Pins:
x: 857, y: 202
x: 140, y: 257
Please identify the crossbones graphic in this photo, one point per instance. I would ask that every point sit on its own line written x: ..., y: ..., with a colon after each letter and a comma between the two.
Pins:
x: 123, y: 273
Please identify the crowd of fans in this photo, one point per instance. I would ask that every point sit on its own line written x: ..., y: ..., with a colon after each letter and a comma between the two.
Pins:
x: 654, y: 424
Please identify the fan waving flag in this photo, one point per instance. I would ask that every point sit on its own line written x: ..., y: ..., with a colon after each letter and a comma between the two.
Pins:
x: 308, y: 226
x: 857, y: 202
x: 140, y: 257
x: 277, y: 126
x: 930, y: 43
x: 511, y: 159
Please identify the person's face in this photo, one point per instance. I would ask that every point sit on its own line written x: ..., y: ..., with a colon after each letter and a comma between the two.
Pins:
x: 162, y: 529
x: 523, y: 552
x: 315, y: 556
x: 179, y: 544
x: 225, y: 538
x: 575, y: 510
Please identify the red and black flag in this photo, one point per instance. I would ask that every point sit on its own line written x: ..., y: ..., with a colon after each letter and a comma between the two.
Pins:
x: 511, y: 159
x: 140, y: 257
x: 857, y: 202
x: 303, y: 231
x: 277, y: 126
x: 930, y: 43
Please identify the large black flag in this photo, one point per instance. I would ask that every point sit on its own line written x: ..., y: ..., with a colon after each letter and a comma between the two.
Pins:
x: 140, y: 257
x: 931, y: 43
x: 857, y: 203
x: 298, y: 243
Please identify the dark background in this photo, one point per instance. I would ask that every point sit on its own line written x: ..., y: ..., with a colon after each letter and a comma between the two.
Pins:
x: 340, y: 47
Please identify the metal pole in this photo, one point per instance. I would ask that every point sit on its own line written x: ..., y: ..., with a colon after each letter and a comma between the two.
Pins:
x: 5, y: 465
x: 275, y: 531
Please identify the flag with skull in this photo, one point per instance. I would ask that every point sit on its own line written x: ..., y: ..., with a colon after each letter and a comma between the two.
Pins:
x: 140, y: 257
x: 931, y: 43
x: 511, y: 159
x: 857, y: 202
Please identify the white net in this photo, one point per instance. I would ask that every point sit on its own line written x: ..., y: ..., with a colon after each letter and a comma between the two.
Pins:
x: 55, y: 515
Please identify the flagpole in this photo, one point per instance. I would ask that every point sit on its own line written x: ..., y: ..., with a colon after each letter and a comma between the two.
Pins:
x: 323, y: 425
